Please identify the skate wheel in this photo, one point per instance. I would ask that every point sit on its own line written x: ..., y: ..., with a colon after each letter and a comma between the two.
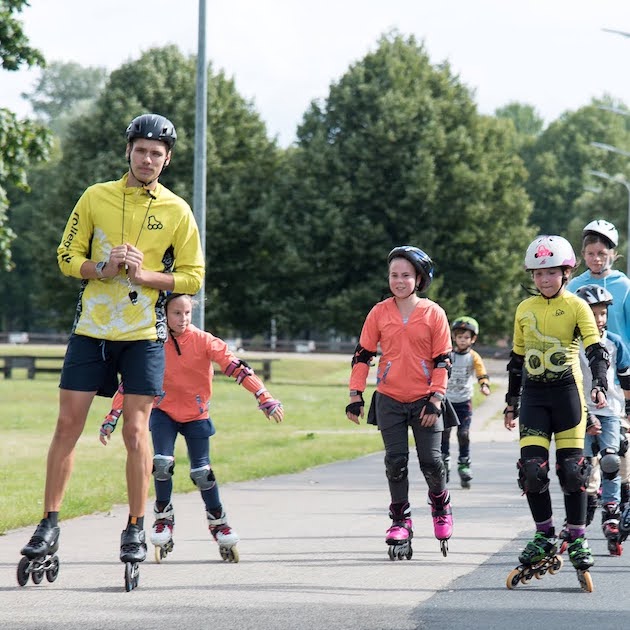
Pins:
x: 158, y: 554
x: 132, y: 576
x: 409, y: 554
x: 22, y: 571
x: 586, y: 581
x: 444, y: 547
x: 37, y: 576
x: 513, y: 578
x: 233, y: 555
x: 53, y: 571
x: 391, y: 553
x: 615, y: 548
x: 556, y: 565
x: 563, y: 546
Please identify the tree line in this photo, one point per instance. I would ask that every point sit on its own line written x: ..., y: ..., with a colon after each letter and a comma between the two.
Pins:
x: 396, y: 153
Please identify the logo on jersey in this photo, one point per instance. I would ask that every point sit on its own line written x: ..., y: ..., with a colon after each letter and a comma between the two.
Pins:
x: 558, y: 312
x: 153, y: 223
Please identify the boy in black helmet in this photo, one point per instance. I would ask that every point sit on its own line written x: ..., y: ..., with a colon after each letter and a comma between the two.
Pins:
x: 129, y: 241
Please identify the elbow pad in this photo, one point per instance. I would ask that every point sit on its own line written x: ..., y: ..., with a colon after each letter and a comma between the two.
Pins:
x: 598, y: 361
x: 443, y: 361
x: 362, y: 355
x: 515, y: 374
x: 624, y: 379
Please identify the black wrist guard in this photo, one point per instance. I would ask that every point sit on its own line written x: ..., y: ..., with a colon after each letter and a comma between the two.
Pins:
x: 355, y: 407
x: 600, y: 384
x: 515, y: 403
x: 429, y: 408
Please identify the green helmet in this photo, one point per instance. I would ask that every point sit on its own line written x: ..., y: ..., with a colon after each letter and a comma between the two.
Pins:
x: 466, y: 323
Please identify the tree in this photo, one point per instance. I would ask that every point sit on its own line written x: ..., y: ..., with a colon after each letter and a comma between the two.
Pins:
x: 63, y: 91
x: 398, y: 154
x: 526, y: 119
x: 21, y: 142
x: 559, y: 158
x: 241, y: 167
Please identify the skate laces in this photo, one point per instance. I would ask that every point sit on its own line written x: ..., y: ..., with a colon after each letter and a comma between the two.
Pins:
x: 161, y: 525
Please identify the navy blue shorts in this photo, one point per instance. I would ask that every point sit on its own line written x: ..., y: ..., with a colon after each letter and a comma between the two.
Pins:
x: 94, y: 365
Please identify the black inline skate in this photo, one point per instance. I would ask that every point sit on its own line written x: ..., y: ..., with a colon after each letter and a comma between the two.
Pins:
x: 539, y: 556
x: 133, y: 550
x: 40, y: 555
x: 624, y: 524
x: 610, y: 526
x: 463, y: 468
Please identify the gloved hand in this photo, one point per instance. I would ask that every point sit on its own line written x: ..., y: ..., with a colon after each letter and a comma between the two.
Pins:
x: 272, y: 409
x: 108, y: 426
x: 354, y: 410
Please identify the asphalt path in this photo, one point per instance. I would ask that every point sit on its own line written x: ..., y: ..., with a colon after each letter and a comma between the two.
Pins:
x: 313, y: 556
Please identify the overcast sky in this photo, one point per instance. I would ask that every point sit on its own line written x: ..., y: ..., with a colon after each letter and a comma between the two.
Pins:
x: 552, y: 54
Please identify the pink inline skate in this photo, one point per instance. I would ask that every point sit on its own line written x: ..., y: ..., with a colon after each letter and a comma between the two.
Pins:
x: 399, y: 535
x: 442, y: 518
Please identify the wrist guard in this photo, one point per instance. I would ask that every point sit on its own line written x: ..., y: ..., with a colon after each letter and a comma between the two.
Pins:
x: 515, y: 403
x: 600, y: 385
x: 355, y: 407
x: 429, y: 408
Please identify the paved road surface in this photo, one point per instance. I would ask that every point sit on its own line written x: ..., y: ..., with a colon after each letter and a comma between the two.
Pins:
x: 313, y: 557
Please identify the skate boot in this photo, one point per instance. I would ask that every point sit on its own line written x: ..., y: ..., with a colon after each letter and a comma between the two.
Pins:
x: 225, y: 536
x: 446, y: 460
x: 40, y: 555
x: 610, y: 526
x: 463, y: 468
x: 624, y: 524
x: 540, y: 556
x: 582, y: 560
x: 398, y: 536
x: 442, y: 518
x: 133, y: 550
x: 162, y: 532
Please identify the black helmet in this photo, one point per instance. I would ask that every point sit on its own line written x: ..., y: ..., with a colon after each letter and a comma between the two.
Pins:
x: 594, y: 294
x: 152, y: 127
x: 420, y: 261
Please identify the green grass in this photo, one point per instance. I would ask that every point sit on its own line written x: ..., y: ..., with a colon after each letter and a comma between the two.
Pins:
x: 315, y: 431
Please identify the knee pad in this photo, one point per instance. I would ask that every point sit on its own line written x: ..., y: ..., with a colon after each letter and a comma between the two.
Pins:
x: 163, y: 466
x: 396, y: 467
x: 573, y: 473
x: 203, y: 477
x: 434, y: 473
x: 533, y: 474
x: 609, y: 463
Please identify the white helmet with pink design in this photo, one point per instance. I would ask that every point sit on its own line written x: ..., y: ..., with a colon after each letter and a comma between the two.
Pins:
x: 549, y: 251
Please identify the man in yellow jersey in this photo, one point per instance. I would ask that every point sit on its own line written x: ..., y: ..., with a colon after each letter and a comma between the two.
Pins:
x: 130, y: 242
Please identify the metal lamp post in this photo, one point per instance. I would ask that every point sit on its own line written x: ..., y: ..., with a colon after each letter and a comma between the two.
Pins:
x: 618, y: 179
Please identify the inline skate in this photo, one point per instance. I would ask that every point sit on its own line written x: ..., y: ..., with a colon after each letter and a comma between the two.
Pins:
x: 610, y: 526
x: 39, y: 555
x: 442, y: 518
x: 162, y: 532
x: 539, y: 556
x: 398, y: 536
x: 133, y: 551
x: 463, y: 468
x: 624, y: 524
x: 225, y: 536
x: 582, y: 560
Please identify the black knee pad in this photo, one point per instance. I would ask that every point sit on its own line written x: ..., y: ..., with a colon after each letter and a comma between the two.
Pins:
x: 396, y: 467
x: 533, y: 474
x: 434, y: 473
x: 609, y: 463
x: 573, y: 473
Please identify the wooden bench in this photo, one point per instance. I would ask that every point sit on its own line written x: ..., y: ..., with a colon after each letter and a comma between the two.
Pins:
x: 31, y: 363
